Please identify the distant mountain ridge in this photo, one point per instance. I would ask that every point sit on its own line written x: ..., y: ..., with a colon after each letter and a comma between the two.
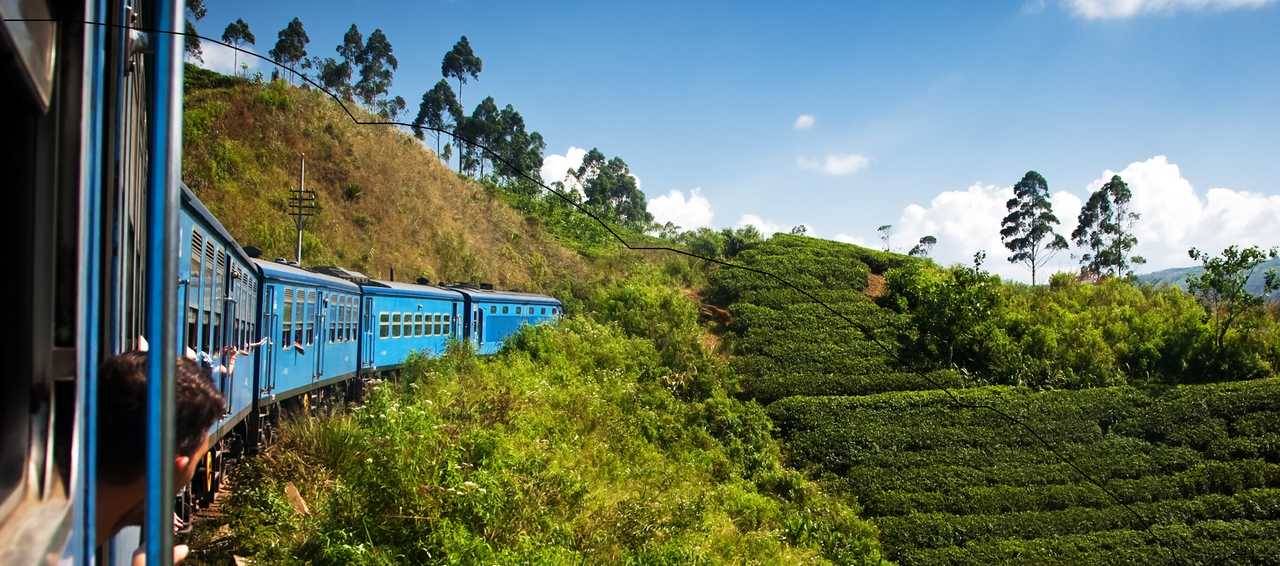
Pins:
x: 1178, y: 276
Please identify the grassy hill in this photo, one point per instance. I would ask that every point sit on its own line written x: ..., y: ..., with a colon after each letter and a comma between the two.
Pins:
x: 1188, y: 474
x: 385, y: 199
x: 1177, y: 276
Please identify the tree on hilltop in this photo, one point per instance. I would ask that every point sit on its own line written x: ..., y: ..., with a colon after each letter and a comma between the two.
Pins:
x: 520, y: 149
x: 378, y: 66
x: 336, y: 75
x: 886, y: 232
x: 1105, y: 225
x: 1028, y: 229
x: 291, y: 45
x: 923, y: 247
x: 459, y: 63
x: 238, y: 34
x: 438, y: 110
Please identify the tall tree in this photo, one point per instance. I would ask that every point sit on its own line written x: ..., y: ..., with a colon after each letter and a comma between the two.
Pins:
x: 238, y: 34
x: 291, y: 45
x: 886, y: 232
x: 1105, y: 225
x: 438, y: 110
x: 459, y: 63
x: 336, y: 75
x: 1028, y: 229
x: 191, y: 42
x: 611, y: 188
x: 377, y: 67
x: 924, y: 246
x: 484, y: 128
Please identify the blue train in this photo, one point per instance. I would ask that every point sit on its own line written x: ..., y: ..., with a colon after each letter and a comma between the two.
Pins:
x: 108, y: 251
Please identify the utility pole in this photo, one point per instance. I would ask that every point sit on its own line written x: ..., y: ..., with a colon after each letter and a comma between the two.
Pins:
x: 302, y: 205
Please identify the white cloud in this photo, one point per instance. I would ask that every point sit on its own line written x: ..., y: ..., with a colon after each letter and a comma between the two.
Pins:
x: 1120, y: 9
x: 804, y: 122
x: 223, y: 59
x: 834, y: 163
x: 1174, y: 217
x: 765, y: 227
x: 687, y: 213
x: 555, y: 167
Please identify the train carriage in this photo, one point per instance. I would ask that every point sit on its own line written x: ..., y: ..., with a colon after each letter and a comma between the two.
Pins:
x: 493, y: 316
x: 405, y: 318
x: 302, y: 314
x: 218, y: 301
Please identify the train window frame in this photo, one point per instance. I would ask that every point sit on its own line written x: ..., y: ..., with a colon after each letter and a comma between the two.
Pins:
x: 286, y: 320
x: 193, y: 289
x: 350, y: 318
x: 395, y: 324
x: 406, y: 329
x: 448, y: 325
x: 418, y: 329
x: 505, y: 309
x: 517, y: 309
x: 384, y: 325
x: 493, y: 309
x: 437, y: 329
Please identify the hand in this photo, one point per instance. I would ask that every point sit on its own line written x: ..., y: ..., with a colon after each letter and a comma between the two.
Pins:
x: 180, y: 553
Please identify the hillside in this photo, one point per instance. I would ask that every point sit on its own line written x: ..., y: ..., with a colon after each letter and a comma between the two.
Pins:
x: 1177, y: 276
x: 385, y: 200
x: 1187, y: 474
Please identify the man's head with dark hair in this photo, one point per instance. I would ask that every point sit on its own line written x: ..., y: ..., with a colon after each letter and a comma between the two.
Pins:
x: 122, y: 428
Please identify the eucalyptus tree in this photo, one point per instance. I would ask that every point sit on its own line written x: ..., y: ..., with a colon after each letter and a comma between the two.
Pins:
x: 1028, y: 229
x: 191, y: 39
x: 238, y: 34
x: 438, y: 110
x: 1104, y: 229
x: 459, y: 63
x: 291, y: 45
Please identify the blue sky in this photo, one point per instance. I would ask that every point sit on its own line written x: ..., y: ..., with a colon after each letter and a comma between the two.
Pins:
x: 922, y: 113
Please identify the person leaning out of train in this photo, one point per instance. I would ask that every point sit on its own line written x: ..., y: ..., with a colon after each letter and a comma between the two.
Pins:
x: 122, y: 422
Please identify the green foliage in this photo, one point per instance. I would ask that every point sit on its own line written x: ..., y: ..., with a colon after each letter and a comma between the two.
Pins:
x: 1221, y: 288
x: 963, y: 479
x: 611, y: 189
x: 950, y: 316
x: 572, y: 445
x: 291, y: 44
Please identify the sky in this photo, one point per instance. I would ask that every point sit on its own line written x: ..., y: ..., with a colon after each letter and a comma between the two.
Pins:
x: 846, y: 116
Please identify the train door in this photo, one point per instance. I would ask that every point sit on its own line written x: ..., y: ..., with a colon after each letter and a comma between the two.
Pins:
x: 321, y: 318
x: 479, y: 328
x: 366, y: 341
x: 270, y: 324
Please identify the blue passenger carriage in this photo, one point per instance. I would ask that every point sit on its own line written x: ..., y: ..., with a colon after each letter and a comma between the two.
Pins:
x: 496, y: 315
x: 218, y: 306
x: 403, y: 318
x: 311, y: 321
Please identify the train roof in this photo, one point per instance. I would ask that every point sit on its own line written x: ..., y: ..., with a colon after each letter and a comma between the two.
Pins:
x: 191, y: 201
x: 293, y: 274
x: 395, y: 288
x: 507, y: 296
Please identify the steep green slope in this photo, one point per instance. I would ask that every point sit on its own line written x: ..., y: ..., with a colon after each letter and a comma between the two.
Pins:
x: 385, y: 199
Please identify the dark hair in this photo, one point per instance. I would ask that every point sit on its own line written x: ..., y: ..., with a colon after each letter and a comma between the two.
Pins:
x: 122, y: 413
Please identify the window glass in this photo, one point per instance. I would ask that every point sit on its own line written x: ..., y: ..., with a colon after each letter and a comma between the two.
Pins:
x: 395, y: 325
x: 448, y: 325
x: 384, y: 328
x: 193, y: 291
x: 418, y: 329
x: 408, y: 324
x: 504, y: 309
x: 311, y: 317
x: 544, y: 310
x: 333, y: 322
x: 517, y: 310
x: 436, y: 328
x: 286, y: 319
x: 493, y: 309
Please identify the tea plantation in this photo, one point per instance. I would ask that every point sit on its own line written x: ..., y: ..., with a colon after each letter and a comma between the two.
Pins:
x: 1176, y: 474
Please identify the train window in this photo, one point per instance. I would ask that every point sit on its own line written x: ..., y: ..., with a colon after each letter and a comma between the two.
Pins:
x: 504, y: 309
x: 286, y: 319
x: 384, y: 327
x: 517, y: 310
x: 493, y: 309
x: 207, y: 295
x: 395, y: 325
x: 311, y: 317
x: 348, y: 319
x: 408, y: 324
x: 417, y: 325
x: 193, y: 291
x: 333, y: 322
x: 219, y: 300
x: 299, y: 315
x: 448, y: 325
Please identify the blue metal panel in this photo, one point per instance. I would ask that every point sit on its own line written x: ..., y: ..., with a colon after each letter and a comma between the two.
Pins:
x: 290, y: 274
x: 391, y: 345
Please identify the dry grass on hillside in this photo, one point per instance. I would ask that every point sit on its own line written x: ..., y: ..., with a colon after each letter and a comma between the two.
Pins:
x: 385, y: 200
